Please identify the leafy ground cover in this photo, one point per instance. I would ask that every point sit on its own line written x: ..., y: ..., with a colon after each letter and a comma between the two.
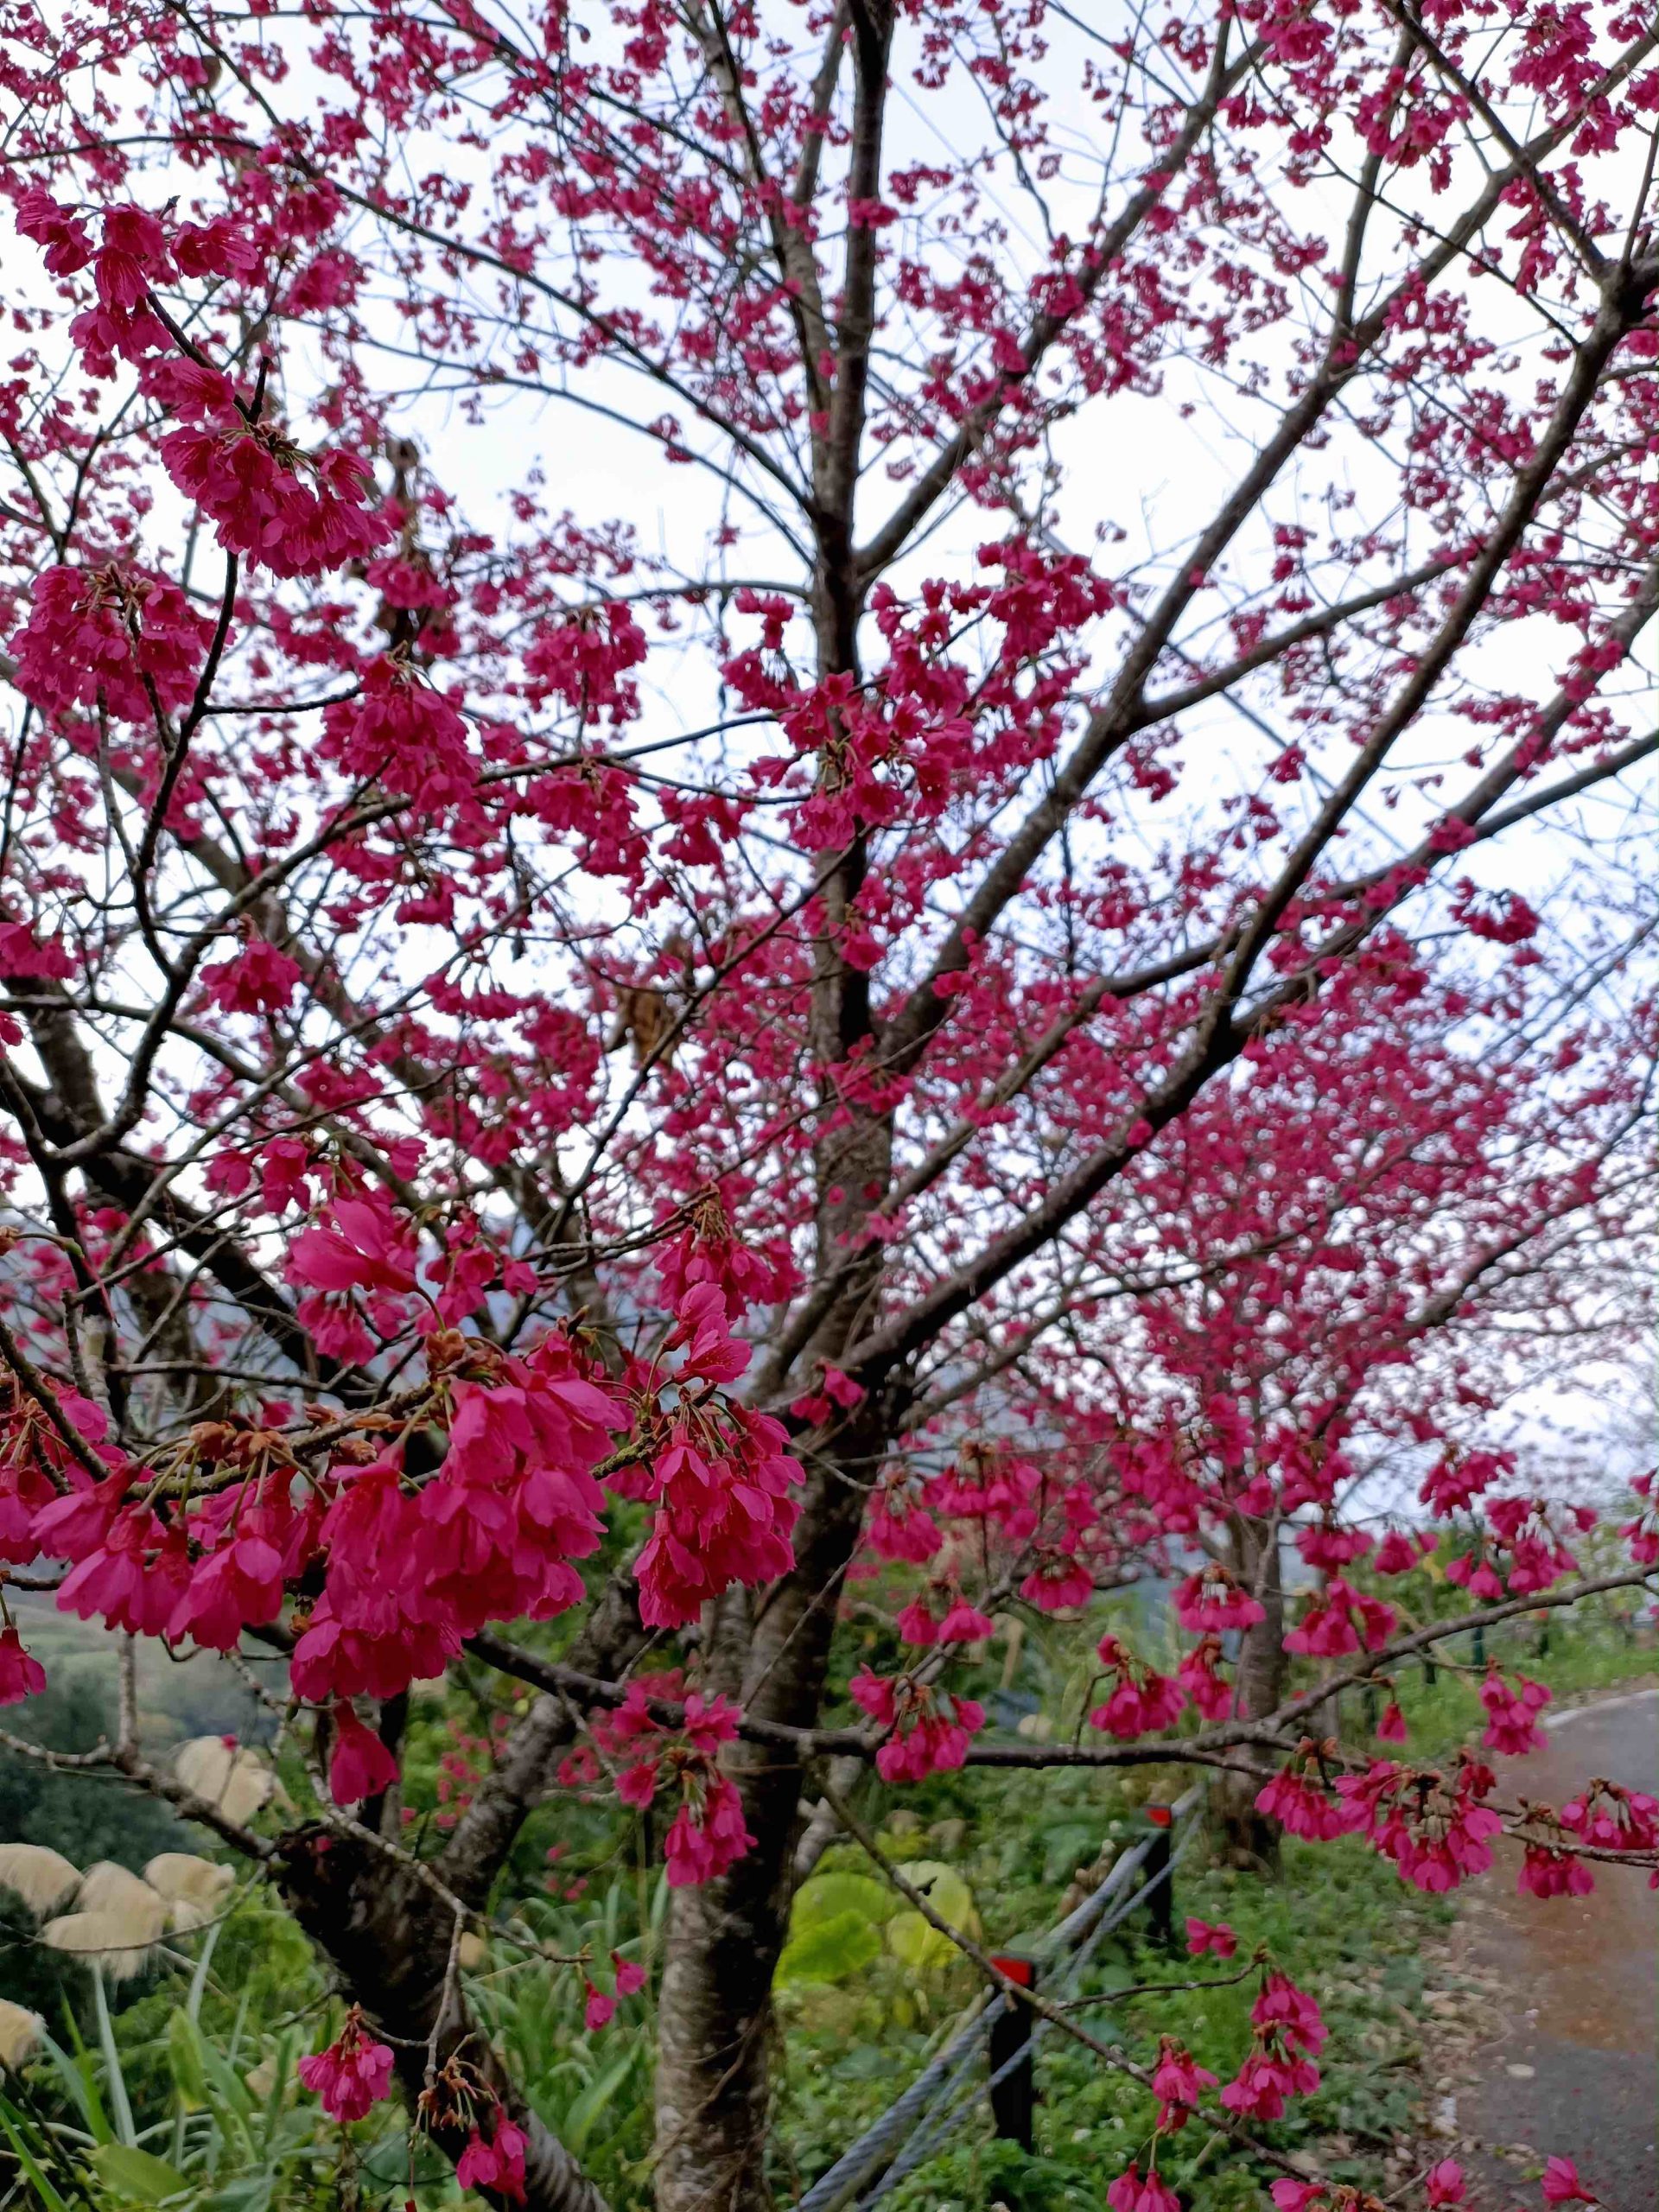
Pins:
x: 177, y: 2083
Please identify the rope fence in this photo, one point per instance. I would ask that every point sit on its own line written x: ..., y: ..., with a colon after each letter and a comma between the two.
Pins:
x: 948, y: 2091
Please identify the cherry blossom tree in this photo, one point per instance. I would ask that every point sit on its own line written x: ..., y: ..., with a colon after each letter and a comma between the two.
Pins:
x: 800, y: 788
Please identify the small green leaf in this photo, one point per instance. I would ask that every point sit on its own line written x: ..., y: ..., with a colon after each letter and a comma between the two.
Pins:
x: 945, y: 1890
x: 138, y: 2175
x: 184, y: 2058
x: 827, y: 1895
x: 829, y: 1951
x: 587, y: 2110
x: 916, y: 1944
x: 76, y: 2074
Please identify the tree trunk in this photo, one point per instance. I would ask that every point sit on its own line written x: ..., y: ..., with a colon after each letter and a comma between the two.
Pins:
x: 715, y: 2021
x: 1249, y: 1838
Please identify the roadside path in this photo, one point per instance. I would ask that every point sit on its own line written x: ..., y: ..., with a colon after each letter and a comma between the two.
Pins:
x: 1572, y: 2065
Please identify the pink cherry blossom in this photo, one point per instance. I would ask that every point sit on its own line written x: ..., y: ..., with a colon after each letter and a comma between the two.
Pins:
x: 1204, y: 1936
x: 21, y: 1675
x: 359, y: 1764
x: 1133, y: 2191
x: 1179, y: 2082
x: 1561, y: 2185
x: 353, y: 2073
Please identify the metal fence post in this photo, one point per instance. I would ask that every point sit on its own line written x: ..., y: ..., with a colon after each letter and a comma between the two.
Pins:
x: 1158, y: 1882
x: 1014, y: 2080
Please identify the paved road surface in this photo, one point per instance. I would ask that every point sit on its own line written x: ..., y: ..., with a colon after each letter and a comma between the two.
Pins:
x: 1575, y: 2069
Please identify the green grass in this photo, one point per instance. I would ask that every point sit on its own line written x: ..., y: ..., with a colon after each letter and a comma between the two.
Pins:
x: 1597, y: 1657
x: 867, y: 1994
x: 1338, y: 1919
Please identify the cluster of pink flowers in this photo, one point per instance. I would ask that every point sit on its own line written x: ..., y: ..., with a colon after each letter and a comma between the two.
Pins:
x: 627, y: 1978
x: 1549, y: 1871
x: 1210, y: 1691
x: 836, y: 1392
x: 1214, y: 1937
x: 352, y: 2074
x: 1141, y: 1700
x: 708, y: 1833
x: 295, y: 513
x: 1461, y: 1477
x: 930, y: 1733
x: 361, y: 1262
x: 283, y: 1167
x: 1537, y: 1555
x: 408, y: 1568
x: 961, y: 1623
x: 1341, y: 1620
x: 280, y: 508
x: 1330, y: 1548
x: 1605, y: 1817
x: 1474, y: 1571
x: 1060, y: 1578
x: 1287, y: 2035
x: 1134, y: 2192
x: 990, y: 1486
x: 402, y: 734
x: 582, y: 659
x: 1212, y: 1600
x: 1512, y: 1710
x: 115, y: 634
x: 1398, y: 1554
x: 260, y: 979
x: 724, y: 1485
x: 1302, y: 1806
x: 412, y: 1564
x: 410, y: 1573
x: 208, y: 1579
x: 898, y: 1526
x: 1154, y: 1467
x: 132, y: 252
x: 496, y: 2161
x: 705, y: 1251
x: 1177, y: 2083
x: 1436, y: 1831
x: 722, y: 1480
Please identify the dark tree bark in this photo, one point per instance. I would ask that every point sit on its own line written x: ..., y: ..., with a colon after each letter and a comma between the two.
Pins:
x: 1249, y: 1838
